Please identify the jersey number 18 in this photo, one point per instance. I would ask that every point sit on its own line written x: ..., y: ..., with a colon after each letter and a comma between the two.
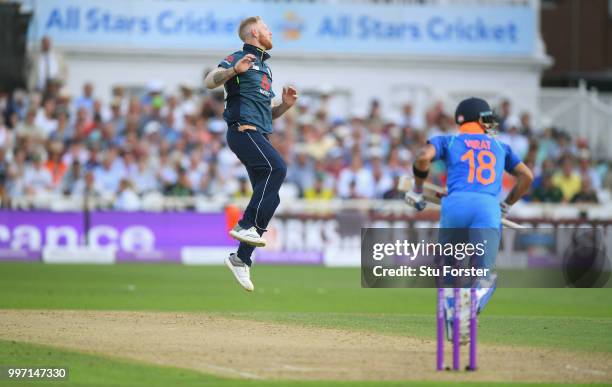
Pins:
x: 484, y: 161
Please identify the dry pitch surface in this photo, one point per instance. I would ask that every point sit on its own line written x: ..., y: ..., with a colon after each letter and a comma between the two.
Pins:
x: 261, y: 350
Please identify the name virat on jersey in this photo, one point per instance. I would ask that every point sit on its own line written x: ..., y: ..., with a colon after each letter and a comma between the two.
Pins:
x: 478, y: 144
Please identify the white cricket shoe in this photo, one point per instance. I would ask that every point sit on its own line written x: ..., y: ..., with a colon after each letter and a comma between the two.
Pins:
x: 249, y: 236
x: 241, y: 271
x: 484, y: 291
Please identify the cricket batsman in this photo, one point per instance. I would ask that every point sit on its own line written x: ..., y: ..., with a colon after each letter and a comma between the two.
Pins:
x: 249, y: 113
x: 475, y: 162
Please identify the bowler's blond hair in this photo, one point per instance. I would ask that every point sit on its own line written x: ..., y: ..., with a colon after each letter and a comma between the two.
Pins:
x: 245, y: 25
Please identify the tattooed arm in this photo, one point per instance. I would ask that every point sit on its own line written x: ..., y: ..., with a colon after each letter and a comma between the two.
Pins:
x: 220, y: 75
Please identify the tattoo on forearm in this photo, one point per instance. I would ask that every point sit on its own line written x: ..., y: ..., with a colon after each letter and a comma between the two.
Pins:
x: 221, y: 76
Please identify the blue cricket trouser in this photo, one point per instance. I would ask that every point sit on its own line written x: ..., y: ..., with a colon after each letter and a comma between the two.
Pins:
x: 473, y: 217
x: 267, y: 170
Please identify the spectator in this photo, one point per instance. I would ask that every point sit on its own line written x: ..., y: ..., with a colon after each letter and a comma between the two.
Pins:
x: 196, y: 170
x: 155, y: 89
x: 7, y: 136
x: 93, y: 159
x: 564, y: 145
x: 547, y: 192
x: 171, y: 112
x: 547, y: 165
x: 375, y: 118
x: 83, y: 125
x: 213, y: 182
x: 517, y: 141
x: 16, y: 172
x: 398, y: 159
x: 86, y: 101
x: 504, y: 114
x: 36, y: 178
x: 526, y: 128
x: 394, y: 192
x: 433, y: 115
x: 182, y: 187
x: 301, y: 169
x: 356, y: 181
x: 166, y: 170
x: 154, y: 110
x: 105, y: 137
x: 353, y: 194
x: 117, y: 119
x: 76, y: 151
x: 127, y: 199
x: 118, y: 95
x: 101, y: 113
x: 356, y: 140
x: 45, y: 118
x: 74, y: 174
x: 55, y: 165
x: 129, y: 166
x: 4, y: 174
x: 442, y: 127
x: 107, y: 176
x: 586, y: 170
x: 30, y: 129
x: 317, y: 142
x: 143, y: 177
x: 45, y: 65
x: 87, y: 186
x: 63, y: 100
x: 409, y: 119
x: 382, y: 179
x: 244, y: 190
x: 335, y: 162
x: 567, y: 180
x: 318, y: 191
x: 63, y: 132
x: 586, y: 193
x: 18, y: 105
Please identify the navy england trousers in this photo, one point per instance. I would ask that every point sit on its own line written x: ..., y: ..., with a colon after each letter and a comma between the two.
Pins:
x: 267, y: 171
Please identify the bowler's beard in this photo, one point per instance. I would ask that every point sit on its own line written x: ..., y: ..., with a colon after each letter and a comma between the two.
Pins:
x: 266, y: 43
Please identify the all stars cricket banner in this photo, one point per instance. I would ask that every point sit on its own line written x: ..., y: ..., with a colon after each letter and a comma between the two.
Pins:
x: 297, y: 27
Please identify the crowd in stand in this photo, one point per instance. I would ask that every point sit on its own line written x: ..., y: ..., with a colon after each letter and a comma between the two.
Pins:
x: 53, y: 144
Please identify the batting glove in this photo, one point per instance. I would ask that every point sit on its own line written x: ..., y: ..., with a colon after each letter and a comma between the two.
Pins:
x: 415, y: 198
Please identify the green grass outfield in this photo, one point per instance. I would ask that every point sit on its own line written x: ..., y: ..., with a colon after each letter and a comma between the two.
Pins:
x: 570, y: 319
x: 89, y: 371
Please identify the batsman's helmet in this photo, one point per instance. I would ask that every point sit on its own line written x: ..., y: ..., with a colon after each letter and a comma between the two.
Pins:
x: 472, y: 110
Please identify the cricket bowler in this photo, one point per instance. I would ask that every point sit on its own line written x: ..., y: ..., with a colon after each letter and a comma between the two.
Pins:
x: 247, y: 79
x: 475, y: 162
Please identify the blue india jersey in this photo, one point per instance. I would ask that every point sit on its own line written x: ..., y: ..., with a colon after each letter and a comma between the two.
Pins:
x: 475, y: 162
